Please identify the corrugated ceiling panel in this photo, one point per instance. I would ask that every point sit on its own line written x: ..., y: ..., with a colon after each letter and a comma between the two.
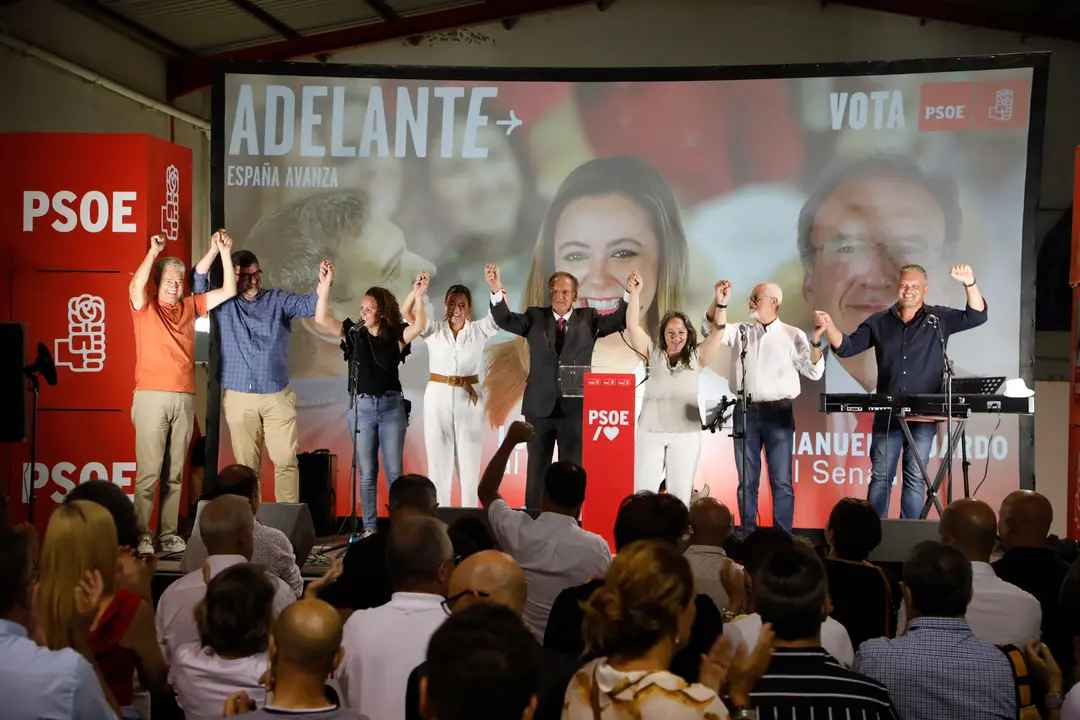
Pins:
x: 196, y: 24
x: 413, y: 7
x: 307, y: 15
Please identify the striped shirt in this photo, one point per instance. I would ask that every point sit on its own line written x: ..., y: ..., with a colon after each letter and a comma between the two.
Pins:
x: 809, y: 684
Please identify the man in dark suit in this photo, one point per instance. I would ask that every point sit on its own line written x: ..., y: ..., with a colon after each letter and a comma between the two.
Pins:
x: 559, y: 335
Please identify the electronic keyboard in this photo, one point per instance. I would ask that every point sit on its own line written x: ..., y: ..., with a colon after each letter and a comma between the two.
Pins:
x: 935, y: 404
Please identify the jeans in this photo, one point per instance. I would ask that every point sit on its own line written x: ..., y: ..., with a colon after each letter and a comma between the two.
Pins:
x: 771, y: 427
x: 378, y: 423
x: 884, y: 454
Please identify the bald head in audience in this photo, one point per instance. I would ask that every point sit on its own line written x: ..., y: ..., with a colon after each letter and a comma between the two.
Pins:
x: 226, y: 525
x: 971, y: 527
x: 307, y: 641
x: 239, y: 480
x: 419, y: 555
x: 1024, y: 520
x: 488, y: 575
x: 710, y: 522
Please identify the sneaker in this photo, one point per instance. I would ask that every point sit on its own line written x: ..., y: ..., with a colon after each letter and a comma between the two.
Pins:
x: 699, y: 494
x: 173, y: 544
x: 146, y: 545
x: 366, y: 534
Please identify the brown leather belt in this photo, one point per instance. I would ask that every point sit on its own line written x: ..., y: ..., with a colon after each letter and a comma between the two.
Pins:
x: 771, y: 403
x: 466, y: 382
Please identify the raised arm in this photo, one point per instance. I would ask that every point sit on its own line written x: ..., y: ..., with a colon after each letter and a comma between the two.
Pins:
x: 604, y: 325
x: 806, y: 358
x: 716, y: 313
x: 845, y: 345
x: 228, y: 275
x: 511, y: 322
x: 639, y: 339
x: 137, y: 286
x: 408, y: 307
x: 322, y: 305
x: 488, y: 489
x: 420, y: 286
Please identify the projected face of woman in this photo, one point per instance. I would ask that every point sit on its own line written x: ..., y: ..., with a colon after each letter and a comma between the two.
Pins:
x: 600, y: 240
x: 478, y: 196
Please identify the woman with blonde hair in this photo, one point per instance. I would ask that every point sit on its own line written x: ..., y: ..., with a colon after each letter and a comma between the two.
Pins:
x: 610, y: 216
x: 81, y: 538
x: 636, y: 621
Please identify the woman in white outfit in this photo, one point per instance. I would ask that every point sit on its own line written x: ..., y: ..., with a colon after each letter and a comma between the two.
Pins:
x: 453, y: 411
x: 669, y: 426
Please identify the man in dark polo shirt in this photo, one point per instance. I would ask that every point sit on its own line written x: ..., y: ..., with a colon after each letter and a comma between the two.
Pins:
x: 905, y: 339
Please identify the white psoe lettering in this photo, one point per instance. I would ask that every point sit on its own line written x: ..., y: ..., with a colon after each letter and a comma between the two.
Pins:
x: 94, y: 210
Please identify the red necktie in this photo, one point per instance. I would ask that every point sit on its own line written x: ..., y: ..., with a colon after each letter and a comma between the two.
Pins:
x: 560, y: 336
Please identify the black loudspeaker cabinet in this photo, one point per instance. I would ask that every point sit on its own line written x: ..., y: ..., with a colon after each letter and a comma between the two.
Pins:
x: 318, y: 471
x: 12, y: 382
x: 294, y: 520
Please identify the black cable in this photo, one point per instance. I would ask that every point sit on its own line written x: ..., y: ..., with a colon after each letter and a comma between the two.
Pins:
x: 989, y: 445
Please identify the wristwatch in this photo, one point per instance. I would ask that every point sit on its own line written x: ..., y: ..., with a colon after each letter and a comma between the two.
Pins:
x: 973, y: 281
x: 721, y: 307
x: 1052, y: 701
x: 815, y: 343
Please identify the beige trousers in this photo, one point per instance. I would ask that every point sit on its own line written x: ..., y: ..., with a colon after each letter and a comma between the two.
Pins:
x: 163, y: 425
x: 253, y: 417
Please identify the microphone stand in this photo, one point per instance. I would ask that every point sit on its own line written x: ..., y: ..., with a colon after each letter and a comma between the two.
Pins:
x: 949, y: 372
x: 741, y: 406
x: 35, y: 386
x: 353, y: 521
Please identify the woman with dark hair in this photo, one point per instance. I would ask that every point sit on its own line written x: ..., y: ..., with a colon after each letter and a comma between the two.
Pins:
x: 234, y: 622
x: 378, y: 414
x: 669, y: 427
x: 608, y: 217
x: 453, y: 413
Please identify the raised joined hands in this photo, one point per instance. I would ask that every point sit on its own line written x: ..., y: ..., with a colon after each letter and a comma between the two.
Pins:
x: 723, y: 292
x: 491, y: 274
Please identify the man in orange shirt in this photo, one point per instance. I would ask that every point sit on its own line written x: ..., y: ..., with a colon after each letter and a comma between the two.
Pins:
x: 163, y: 409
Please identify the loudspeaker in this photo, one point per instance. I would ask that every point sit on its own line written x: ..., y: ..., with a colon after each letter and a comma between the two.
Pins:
x: 318, y: 470
x: 12, y: 382
x: 295, y: 521
x: 898, y: 537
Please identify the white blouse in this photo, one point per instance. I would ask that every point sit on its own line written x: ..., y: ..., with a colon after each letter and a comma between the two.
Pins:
x: 670, y: 403
x: 461, y: 356
x: 638, y: 696
x: 203, y: 681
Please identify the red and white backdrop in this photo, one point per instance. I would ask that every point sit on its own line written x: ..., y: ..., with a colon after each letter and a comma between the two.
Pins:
x: 448, y: 170
x: 76, y: 212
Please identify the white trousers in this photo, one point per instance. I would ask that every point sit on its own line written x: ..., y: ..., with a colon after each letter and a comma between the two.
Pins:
x: 453, y: 434
x: 678, y: 453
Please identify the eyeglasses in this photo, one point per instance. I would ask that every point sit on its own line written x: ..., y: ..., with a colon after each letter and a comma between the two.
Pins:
x: 448, y: 603
x: 855, y: 249
x: 257, y: 275
x: 756, y: 299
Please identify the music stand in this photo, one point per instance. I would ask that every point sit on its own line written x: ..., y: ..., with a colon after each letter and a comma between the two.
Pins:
x: 977, y: 385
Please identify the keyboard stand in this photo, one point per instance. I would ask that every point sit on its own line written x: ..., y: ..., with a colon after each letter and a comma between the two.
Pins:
x: 932, y: 487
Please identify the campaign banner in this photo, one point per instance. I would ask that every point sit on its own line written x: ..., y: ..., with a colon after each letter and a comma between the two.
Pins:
x: 76, y: 214
x: 607, y: 449
x: 824, y: 179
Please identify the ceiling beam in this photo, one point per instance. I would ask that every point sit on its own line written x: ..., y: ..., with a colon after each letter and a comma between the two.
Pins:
x: 113, y: 20
x: 1012, y: 21
x: 383, y: 10
x: 190, y: 75
x: 266, y: 18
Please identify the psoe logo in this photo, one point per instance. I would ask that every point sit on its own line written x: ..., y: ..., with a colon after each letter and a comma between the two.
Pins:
x: 1002, y: 109
x: 608, y: 422
x: 170, y: 211
x: 83, y: 350
x: 67, y: 475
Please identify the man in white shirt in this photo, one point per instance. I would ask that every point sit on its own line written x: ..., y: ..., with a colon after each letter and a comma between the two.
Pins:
x: 553, y: 550
x: 226, y: 525
x: 383, y: 644
x: 766, y: 360
x: 999, y: 612
x: 710, y: 526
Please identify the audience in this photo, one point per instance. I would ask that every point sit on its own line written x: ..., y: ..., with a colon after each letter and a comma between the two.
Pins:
x: 710, y: 527
x: 384, y: 644
x: 757, y: 548
x: 643, y: 516
x: 234, y: 621
x: 865, y: 598
x: 635, y: 623
x: 555, y: 552
x: 36, y: 682
x: 272, y: 548
x: 481, y: 665
x: 226, y: 526
x: 998, y: 612
x: 792, y: 594
x: 939, y: 667
x: 305, y: 649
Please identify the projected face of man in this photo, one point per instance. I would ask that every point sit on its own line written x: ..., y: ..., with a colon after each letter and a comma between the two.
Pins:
x: 600, y: 240
x: 863, y: 233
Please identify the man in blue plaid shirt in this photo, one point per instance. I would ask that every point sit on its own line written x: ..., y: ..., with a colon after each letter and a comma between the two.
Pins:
x: 258, y: 402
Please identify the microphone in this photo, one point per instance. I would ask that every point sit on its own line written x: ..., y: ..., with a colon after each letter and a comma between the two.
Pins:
x: 932, y: 319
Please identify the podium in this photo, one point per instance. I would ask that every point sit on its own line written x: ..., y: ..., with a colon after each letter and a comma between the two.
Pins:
x: 607, y: 440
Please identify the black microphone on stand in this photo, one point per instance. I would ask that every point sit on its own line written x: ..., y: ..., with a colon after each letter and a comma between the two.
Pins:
x: 741, y: 407
x: 932, y: 319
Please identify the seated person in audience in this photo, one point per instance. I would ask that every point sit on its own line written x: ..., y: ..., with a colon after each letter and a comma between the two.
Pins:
x: 1032, y: 565
x: 384, y: 644
x: 491, y: 576
x: 757, y: 548
x: 234, y: 621
x: 865, y: 598
x: 471, y: 524
x: 36, y: 682
x: 710, y: 527
x: 634, y: 624
x: 273, y: 549
x: 81, y: 537
x: 998, y: 612
x: 939, y: 668
x: 226, y: 526
x: 555, y: 552
x: 305, y: 649
x: 642, y: 516
x: 792, y: 594
x: 481, y: 665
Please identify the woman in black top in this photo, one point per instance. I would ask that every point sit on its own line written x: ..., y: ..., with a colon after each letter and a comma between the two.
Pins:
x: 374, y: 347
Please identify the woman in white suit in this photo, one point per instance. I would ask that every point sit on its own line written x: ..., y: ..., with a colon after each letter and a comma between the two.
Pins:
x: 453, y: 410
